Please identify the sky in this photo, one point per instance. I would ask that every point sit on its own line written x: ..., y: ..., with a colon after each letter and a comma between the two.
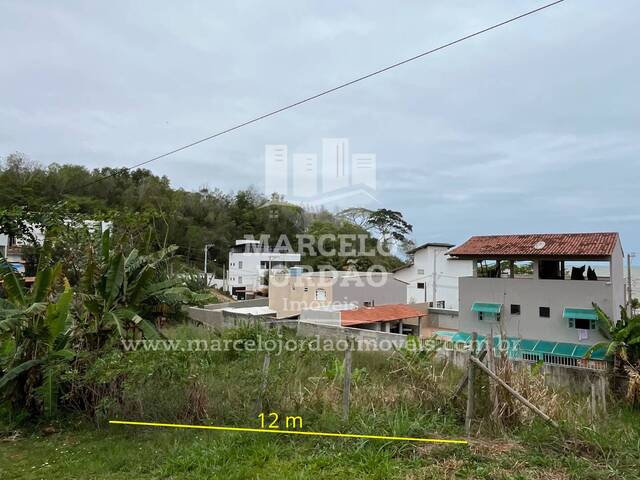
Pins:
x: 533, y: 127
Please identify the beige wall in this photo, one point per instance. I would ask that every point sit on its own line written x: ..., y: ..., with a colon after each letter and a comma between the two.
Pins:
x: 289, y: 295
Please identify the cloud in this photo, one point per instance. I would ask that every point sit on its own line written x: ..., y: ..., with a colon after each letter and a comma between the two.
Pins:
x: 531, y: 127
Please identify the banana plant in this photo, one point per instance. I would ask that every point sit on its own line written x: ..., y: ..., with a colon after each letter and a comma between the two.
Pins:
x: 623, y: 336
x: 34, y: 331
x: 121, y: 293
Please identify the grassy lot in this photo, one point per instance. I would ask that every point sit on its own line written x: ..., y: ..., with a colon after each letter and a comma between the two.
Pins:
x: 402, y: 395
x: 120, y: 452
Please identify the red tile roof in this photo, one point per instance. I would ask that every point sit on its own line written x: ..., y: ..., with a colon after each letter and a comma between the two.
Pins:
x: 381, y: 313
x: 539, y: 245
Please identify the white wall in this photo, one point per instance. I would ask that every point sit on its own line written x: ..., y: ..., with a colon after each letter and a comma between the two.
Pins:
x: 245, y: 267
x: 447, y: 272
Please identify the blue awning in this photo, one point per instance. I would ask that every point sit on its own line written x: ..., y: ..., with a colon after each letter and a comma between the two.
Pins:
x: 581, y: 313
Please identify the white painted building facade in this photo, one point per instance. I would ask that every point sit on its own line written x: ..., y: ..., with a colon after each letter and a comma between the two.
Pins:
x: 250, y: 263
x: 432, y: 277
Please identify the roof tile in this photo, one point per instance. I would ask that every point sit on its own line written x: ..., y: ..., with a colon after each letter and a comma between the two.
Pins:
x: 380, y: 313
x: 599, y: 244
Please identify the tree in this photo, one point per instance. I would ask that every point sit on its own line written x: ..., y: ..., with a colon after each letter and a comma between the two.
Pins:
x: 390, y: 225
x: 358, y: 216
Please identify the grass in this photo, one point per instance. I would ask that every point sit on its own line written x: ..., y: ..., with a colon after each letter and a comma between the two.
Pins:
x: 397, y: 395
x: 121, y: 452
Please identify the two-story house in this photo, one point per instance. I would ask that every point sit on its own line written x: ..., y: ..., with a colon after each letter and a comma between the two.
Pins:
x: 541, y: 287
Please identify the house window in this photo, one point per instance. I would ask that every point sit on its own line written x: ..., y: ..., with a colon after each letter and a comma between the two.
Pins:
x: 582, y: 324
x: 421, y: 285
x: 440, y: 304
x: 545, y: 312
x: 239, y: 279
x: 321, y: 294
x: 240, y: 264
x: 264, y: 265
x: 421, y: 271
x: 515, y: 309
x: 488, y: 317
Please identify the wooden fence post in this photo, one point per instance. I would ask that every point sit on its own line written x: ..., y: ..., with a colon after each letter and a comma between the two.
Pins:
x: 346, y: 391
x: 471, y: 385
x: 265, y: 380
x: 493, y: 388
x: 603, y: 392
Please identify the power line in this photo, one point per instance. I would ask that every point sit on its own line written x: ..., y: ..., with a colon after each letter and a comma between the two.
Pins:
x: 331, y: 90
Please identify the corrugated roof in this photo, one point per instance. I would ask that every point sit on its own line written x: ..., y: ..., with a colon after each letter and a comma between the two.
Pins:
x: 599, y: 244
x: 430, y: 244
x: 381, y: 313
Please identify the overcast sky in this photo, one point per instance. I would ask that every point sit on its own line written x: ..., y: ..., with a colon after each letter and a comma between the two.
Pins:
x: 533, y: 127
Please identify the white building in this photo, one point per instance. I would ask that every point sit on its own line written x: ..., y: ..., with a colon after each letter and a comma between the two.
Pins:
x: 250, y: 263
x: 432, y: 277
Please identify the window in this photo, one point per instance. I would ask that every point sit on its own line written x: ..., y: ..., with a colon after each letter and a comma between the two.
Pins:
x: 545, y: 312
x: 264, y: 265
x: 240, y: 264
x: 515, y: 309
x: 440, y: 304
x: 582, y: 324
x: 488, y: 317
x: 321, y: 294
x: 239, y: 279
x: 421, y: 271
x: 421, y: 285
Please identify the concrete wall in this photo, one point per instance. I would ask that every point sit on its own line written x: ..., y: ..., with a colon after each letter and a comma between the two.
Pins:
x: 254, y: 302
x: 342, y: 333
x: 289, y: 295
x: 381, y: 288
x: 212, y: 315
x: 327, y: 317
x: 531, y: 293
x: 444, y: 319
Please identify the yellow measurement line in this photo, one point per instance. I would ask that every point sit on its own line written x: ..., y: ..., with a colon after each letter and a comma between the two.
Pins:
x: 288, y: 432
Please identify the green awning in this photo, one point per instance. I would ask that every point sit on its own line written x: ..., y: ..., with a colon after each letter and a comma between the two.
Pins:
x: 582, y: 313
x: 486, y: 307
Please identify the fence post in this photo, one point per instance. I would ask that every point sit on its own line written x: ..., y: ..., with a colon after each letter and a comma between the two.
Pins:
x: 265, y: 380
x: 603, y: 391
x: 471, y: 385
x: 493, y: 388
x: 346, y: 391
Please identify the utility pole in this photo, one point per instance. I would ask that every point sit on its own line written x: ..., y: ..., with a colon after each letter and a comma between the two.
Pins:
x: 629, y: 294
x: 206, y: 255
x: 434, y: 279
